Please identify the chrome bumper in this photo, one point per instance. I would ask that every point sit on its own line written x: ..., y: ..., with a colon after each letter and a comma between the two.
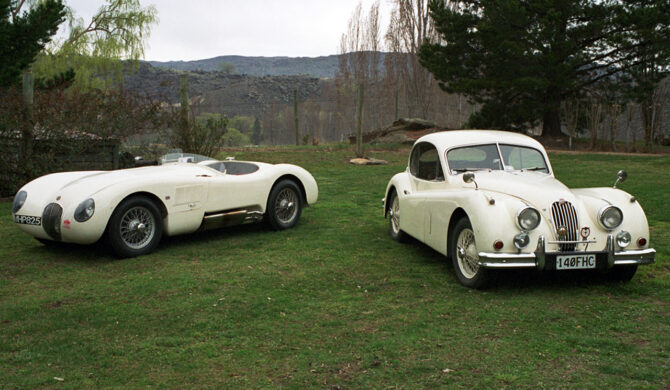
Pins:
x: 538, y: 259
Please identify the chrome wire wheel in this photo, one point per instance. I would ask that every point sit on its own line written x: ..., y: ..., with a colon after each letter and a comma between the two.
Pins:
x: 394, y: 214
x: 286, y: 205
x: 137, y: 227
x: 466, y: 253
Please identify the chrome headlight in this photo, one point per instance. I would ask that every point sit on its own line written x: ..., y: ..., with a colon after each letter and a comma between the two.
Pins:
x: 527, y: 218
x: 84, y: 211
x: 19, y: 200
x: 610, y: 217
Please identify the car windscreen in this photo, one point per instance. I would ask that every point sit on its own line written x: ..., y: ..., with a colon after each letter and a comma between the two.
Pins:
x: 523, y: 158
x: 473, y: 158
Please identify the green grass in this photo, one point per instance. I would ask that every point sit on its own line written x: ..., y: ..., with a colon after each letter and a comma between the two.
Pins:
x: 332, y: 302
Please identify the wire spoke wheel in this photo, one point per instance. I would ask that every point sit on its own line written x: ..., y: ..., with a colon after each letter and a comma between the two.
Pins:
x: 394, y: 214
x: 286, y: 205
x: 466, y: 253
x: 137, y: 227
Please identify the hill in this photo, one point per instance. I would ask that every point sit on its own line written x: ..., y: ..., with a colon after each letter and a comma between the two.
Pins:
x: 322, y: 67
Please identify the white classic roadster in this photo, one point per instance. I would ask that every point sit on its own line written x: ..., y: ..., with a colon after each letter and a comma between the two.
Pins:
x: 489, y: 200
x: 134, y: 207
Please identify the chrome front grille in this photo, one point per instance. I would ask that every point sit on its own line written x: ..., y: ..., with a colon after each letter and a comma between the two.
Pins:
x: 565, y: 216
x: 51, y: 220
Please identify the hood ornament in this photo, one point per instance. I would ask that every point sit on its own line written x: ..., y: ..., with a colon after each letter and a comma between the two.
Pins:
x: 562, y: 231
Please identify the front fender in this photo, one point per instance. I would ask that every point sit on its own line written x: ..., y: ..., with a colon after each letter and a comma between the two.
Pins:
x: 400, y: 183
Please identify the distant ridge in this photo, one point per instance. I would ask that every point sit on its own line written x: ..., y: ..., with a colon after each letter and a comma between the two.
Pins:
x: 322, y: 67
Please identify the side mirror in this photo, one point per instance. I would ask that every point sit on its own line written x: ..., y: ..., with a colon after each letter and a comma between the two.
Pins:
x: 469, y: 177
x: 620, y: 177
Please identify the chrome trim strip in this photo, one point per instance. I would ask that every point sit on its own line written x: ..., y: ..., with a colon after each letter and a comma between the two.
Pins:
x: 593, y: 241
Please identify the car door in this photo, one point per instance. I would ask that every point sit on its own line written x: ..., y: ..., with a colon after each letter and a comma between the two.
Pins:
x: 236, y: 187
x: 426, y: 175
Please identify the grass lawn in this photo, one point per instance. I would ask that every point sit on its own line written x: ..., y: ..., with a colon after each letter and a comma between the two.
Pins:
x: 333, y: 303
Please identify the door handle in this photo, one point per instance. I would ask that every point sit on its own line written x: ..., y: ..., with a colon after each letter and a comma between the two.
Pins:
x: 406, y: 192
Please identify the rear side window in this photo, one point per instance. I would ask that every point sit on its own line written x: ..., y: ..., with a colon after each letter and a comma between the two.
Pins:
x: 425, y: 162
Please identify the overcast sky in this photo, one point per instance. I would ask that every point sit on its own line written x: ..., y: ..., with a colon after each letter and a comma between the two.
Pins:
x: 198, y: 29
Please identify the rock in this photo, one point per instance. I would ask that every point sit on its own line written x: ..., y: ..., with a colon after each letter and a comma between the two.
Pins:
x: 367, y: 161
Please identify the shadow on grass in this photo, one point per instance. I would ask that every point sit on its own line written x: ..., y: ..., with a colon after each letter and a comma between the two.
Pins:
x: 525, y: 280
x: 60, y: 252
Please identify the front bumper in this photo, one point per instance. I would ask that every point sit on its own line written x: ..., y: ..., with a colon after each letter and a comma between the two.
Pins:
x: 542, y: 260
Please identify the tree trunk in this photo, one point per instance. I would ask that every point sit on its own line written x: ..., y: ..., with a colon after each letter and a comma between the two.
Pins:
x: 551, y: 127
x: 646, y: 114
x: 184, y: 142
x: 27, y: 134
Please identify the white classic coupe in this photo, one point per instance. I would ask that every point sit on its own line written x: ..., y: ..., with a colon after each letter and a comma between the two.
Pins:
x: 489, y: 200
x: 134, y: 207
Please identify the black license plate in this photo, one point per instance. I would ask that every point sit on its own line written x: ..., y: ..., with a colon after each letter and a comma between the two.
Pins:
x: 28, y: 220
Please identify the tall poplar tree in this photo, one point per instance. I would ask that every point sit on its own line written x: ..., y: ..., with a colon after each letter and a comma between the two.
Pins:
x: 521, y: 59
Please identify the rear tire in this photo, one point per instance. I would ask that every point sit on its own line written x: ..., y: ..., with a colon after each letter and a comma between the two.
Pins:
x: 135, y: 228
x: 464, y: 255
x: 284, y: 205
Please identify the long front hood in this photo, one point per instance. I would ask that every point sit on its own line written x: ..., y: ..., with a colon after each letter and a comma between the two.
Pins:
x: 537, y: 189
x: 84, y: 184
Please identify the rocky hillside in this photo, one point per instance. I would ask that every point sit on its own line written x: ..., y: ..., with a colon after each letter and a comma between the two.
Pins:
x: 226, y: 94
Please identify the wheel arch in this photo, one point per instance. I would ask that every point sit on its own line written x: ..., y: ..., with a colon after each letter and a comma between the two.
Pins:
x: 297, y: 181
x: 387, y: 205
x: 155, y: 199
x: 159, y: 203
x: 456, y: 216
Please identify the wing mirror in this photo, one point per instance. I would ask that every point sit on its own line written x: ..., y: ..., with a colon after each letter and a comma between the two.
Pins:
x: 469, y: 177
x: 620, y: 177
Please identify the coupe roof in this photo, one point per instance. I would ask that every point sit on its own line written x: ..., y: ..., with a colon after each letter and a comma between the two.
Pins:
x: 444, y: 140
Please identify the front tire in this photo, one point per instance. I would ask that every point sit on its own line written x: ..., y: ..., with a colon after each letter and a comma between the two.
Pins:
x: 284, y: 205
x: 464, y: 255
x: 135, y: 228
x: 394, y: 219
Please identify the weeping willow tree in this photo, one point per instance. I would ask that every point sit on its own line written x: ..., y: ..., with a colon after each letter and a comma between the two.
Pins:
x: 96, y: 49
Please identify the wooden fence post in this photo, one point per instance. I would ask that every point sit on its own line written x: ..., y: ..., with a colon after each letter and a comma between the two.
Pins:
x: 295, y: 115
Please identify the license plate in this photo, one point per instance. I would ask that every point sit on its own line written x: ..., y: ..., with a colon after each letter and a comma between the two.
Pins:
x: 28, y: 220
x: 585, y: 261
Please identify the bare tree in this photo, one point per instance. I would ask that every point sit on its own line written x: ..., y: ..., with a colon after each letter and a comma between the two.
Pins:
x: 409, y: 28
x: 360, y: 46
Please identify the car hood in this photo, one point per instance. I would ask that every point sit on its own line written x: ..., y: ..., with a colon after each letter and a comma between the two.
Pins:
x: 537, y: 189
x: 85, y: 184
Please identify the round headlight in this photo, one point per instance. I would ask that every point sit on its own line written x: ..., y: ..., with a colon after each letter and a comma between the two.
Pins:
x: 19, y: 200
x: 521, y: 240
x: 527, y: 218
x: 623, y: 239
x: 84, y: 211
x: 610, y: 217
